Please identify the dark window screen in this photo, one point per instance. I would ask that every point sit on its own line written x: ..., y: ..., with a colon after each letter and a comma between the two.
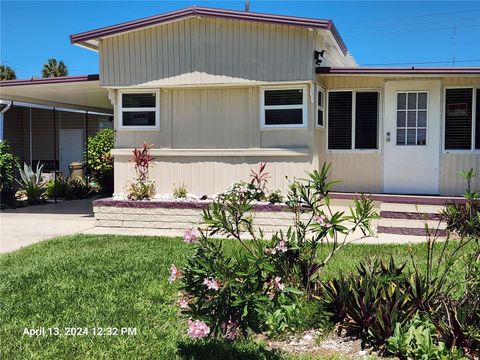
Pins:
x: 477, y: 125
x: 366, y: 120
x: 340, y: 120
x: 284, y: 97
x: 138, y: 100
x: 458, y: 119
x: 284, y: 117
x: 138, y: 118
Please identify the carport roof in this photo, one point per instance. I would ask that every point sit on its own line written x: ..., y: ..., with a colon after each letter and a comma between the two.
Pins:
x: 76, y: 92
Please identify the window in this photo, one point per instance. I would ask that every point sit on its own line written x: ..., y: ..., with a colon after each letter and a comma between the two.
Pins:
x: 320, y: 107
x: 412, y: 118
x: 284, y: 108
x: 462, y: 119
x: 353, y: 120
x: 139, y: 110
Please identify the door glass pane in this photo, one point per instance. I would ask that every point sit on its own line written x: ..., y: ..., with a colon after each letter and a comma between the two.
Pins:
x: 422, y: 100
x: 421, y: 137
x: 412, y: 100
x: 411, y: 121
x: 411, y: 136
x: 401, y: 101
x: 422, y: 119
x: 401, y: 118
x: 400, y: 136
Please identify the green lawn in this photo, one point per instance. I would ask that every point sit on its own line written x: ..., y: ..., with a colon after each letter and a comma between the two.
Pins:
x: 117, y: 281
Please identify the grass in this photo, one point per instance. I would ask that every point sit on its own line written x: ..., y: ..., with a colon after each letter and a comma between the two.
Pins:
x: 118, y: 281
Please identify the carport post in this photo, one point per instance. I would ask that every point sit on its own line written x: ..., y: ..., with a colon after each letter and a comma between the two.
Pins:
x: 55, y: 156
x: 87, y: 171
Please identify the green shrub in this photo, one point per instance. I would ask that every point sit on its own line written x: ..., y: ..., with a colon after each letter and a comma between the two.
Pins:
x: 275, y: 197
x: 31, y: 182
x: 416, y: 340
x: 8, y: 166
x: 180, y: 192
x: 99, y: 158
x: 68, y: 188
x: 141, y: 190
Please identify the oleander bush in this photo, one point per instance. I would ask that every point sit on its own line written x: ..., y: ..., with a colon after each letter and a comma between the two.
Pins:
x: 263, y: 287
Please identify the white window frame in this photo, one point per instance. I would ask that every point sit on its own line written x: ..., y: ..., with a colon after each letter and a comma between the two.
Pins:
x: 121, y: 109
x: 427, y: 110
x: 323, y: 107
x: 472, y: 149
x: 304, y: 107
x: 354, y: 99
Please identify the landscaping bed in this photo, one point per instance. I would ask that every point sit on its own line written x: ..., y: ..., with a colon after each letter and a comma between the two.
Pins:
x: 121, y: 281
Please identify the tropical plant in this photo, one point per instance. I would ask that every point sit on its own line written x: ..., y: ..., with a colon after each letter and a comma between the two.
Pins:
x: 31, y: 182
x: 68, y: 188
x: 54, y: 68
x: 7, y: 73
x: 371, y: 302
x: 8, y: 165
x: 464, y: 219
x: 142, y: 188
x: 99, y: 159
x: 259, y: 178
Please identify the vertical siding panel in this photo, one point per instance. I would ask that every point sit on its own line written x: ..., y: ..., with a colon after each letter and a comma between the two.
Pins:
x: 224, y: 47
x: 153, y: 53
x: 293, y: 62
x: 148, y: 54
x: 102, y: 57
x: 110, y: 68
x: 188, y: 46
x: 170, y: 50
x: 121, y: 60
x: 181, y: 48
x: 176, y: 49
x: 254, y: 50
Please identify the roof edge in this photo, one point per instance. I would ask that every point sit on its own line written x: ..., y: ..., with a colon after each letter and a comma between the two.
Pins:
x: 209, y: 12
x: 51, y: 80
x: 397, y: 70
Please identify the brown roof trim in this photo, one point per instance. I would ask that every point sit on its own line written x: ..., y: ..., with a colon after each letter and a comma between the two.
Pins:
x: 398, y: 70
x: 52, y: 80
x: 208, y: 12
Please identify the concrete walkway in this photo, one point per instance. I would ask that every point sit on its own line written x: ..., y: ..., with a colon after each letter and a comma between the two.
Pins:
x: 28, y: 225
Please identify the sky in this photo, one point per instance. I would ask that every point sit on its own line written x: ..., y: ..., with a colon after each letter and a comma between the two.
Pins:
x: 377, y: 33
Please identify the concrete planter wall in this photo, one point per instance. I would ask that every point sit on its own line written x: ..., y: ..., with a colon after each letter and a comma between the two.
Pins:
x: 178, y: 216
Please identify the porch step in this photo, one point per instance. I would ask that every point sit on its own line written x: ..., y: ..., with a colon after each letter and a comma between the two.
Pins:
x: 410, y: 221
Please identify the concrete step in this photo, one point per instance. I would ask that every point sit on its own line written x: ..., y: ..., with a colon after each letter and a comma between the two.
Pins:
x: 411, y: 223
x: 410, y: 208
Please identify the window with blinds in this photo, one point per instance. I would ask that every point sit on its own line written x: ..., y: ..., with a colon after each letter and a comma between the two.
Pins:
x: 347, y: 129
x: 458, y: 119
x: 284, y: 108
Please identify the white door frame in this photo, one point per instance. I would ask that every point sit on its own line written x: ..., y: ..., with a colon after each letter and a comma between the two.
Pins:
x: 412, y: 169
x: 61, y: 133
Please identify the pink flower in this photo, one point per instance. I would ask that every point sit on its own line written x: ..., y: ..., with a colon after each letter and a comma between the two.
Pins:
x: 174, y: 274
x: 278, y: 283
x: 271, y: 294
x: 197, y: 329
x: 322, y: 221
x: 211, y: 283
x: 183, y: 303
x: 281, y: 246
x: 190, y: 236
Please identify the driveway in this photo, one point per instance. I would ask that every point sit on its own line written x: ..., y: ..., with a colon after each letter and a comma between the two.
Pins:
x: 28, y: 225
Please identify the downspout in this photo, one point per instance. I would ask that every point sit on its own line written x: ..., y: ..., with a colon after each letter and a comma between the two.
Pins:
x: 4, y: 110
x: 55, y: 156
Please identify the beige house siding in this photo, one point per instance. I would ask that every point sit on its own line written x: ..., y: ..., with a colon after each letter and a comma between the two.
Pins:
x: 203, y: 50
x: 450, y: 164
x: 209, y: 175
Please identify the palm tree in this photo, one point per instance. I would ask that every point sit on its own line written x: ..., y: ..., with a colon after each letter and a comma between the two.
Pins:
x: 7, y: 73
x: 53, y: 68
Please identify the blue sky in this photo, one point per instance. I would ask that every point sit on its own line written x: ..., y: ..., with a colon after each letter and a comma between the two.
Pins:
x: 376, y: 33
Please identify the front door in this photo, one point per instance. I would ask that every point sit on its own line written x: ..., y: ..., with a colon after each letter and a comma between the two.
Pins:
x: 411, y: 137
x: 71, y: 148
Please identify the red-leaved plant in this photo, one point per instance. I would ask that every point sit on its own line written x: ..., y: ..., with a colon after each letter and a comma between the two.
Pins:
x: 142, y: 188
x: 260, y: 178
x: 142, y: 160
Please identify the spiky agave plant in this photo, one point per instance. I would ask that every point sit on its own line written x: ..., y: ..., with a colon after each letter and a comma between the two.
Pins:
x: 31, y: 182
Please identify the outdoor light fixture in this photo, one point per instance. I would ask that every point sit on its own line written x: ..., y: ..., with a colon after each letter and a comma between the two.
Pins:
x: 318, y: 56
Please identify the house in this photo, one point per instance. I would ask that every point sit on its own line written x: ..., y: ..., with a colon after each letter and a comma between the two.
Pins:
x: 218, y: 91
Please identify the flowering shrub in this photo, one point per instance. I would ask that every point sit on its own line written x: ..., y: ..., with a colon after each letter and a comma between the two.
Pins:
x: 142, y: 188
x: 258, y: 289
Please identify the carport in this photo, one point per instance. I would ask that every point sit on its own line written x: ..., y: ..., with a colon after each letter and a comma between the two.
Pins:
x: 49, y: 120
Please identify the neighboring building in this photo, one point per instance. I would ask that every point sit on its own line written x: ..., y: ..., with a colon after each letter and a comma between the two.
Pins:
x: 218, y: 91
